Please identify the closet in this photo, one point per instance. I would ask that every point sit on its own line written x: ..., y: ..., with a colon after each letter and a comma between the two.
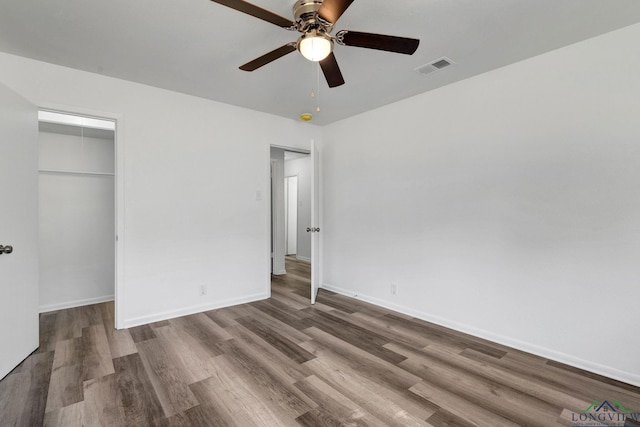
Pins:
x: 76, y: 210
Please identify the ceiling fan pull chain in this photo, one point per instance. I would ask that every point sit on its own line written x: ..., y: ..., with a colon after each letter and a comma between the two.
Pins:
x: 313, y: 88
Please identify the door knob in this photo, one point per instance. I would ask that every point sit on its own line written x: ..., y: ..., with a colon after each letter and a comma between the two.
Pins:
x: 6, y: 249
x: 313, y: 229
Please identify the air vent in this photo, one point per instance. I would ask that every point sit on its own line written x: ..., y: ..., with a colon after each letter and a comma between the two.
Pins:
x: 426, y: 69
x: 441, y: 63
x: 436, y: 65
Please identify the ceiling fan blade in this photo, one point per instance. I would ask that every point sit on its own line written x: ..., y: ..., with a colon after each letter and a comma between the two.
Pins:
x: 331, y: 71
x: 332, y: 10
x: 258, y: 12
x: 269, y: 57
x: 378, y: 41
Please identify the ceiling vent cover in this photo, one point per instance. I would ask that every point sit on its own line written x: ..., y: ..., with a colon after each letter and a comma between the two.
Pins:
x: 436, y: 65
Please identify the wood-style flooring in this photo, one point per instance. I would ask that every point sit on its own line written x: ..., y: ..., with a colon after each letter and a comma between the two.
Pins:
x: 282, y: 362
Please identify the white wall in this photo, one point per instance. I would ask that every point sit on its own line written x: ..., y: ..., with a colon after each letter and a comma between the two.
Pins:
x: 76, y: 216
x: 505, y: 205
x: 291, y: 213
x: 301, y: 167
x: 187, y: 217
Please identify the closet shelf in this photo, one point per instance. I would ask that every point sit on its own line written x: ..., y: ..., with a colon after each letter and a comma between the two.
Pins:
x: 75, y: 172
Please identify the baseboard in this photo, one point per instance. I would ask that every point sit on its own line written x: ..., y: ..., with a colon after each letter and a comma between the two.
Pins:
x: 279, y: 272
x: 547, y: 353
x: 303, y: 258
x: 75, y: 303
x: 199, y: 308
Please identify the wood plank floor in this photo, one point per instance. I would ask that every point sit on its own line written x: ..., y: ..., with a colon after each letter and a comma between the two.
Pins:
x: 282, y: 362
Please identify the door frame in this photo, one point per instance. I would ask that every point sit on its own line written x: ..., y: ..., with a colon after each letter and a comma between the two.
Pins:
x: 316, y: 220
x: 119, y: 180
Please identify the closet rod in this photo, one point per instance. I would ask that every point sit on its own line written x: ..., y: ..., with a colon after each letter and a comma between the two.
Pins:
x: 75, y: 173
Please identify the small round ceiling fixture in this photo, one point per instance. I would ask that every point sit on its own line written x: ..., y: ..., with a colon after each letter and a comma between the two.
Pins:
x: 305, y: 117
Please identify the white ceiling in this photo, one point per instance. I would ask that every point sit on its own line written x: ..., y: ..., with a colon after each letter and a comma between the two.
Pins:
x: 196, y: 46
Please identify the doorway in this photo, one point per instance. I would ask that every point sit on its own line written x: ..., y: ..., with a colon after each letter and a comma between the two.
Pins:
x: 298, y: 171
x: 291, y: 203
x: 77, y: 220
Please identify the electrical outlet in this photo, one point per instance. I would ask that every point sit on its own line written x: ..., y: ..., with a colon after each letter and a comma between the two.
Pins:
x: 203, y: 290
x: 394, y: 289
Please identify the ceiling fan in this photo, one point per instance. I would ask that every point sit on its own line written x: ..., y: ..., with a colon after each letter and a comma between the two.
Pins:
x: 315, y: 20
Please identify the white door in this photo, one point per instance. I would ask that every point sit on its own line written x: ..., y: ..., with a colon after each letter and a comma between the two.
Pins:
x: 315, y: 222
x: 18, y: 229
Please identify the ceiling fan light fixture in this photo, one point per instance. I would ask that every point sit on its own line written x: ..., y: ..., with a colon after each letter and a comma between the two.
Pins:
x: 315, y: 19
x: 315, y: 45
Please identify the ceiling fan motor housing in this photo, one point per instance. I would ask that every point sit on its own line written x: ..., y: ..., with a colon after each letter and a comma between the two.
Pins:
x: 305, y: 14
